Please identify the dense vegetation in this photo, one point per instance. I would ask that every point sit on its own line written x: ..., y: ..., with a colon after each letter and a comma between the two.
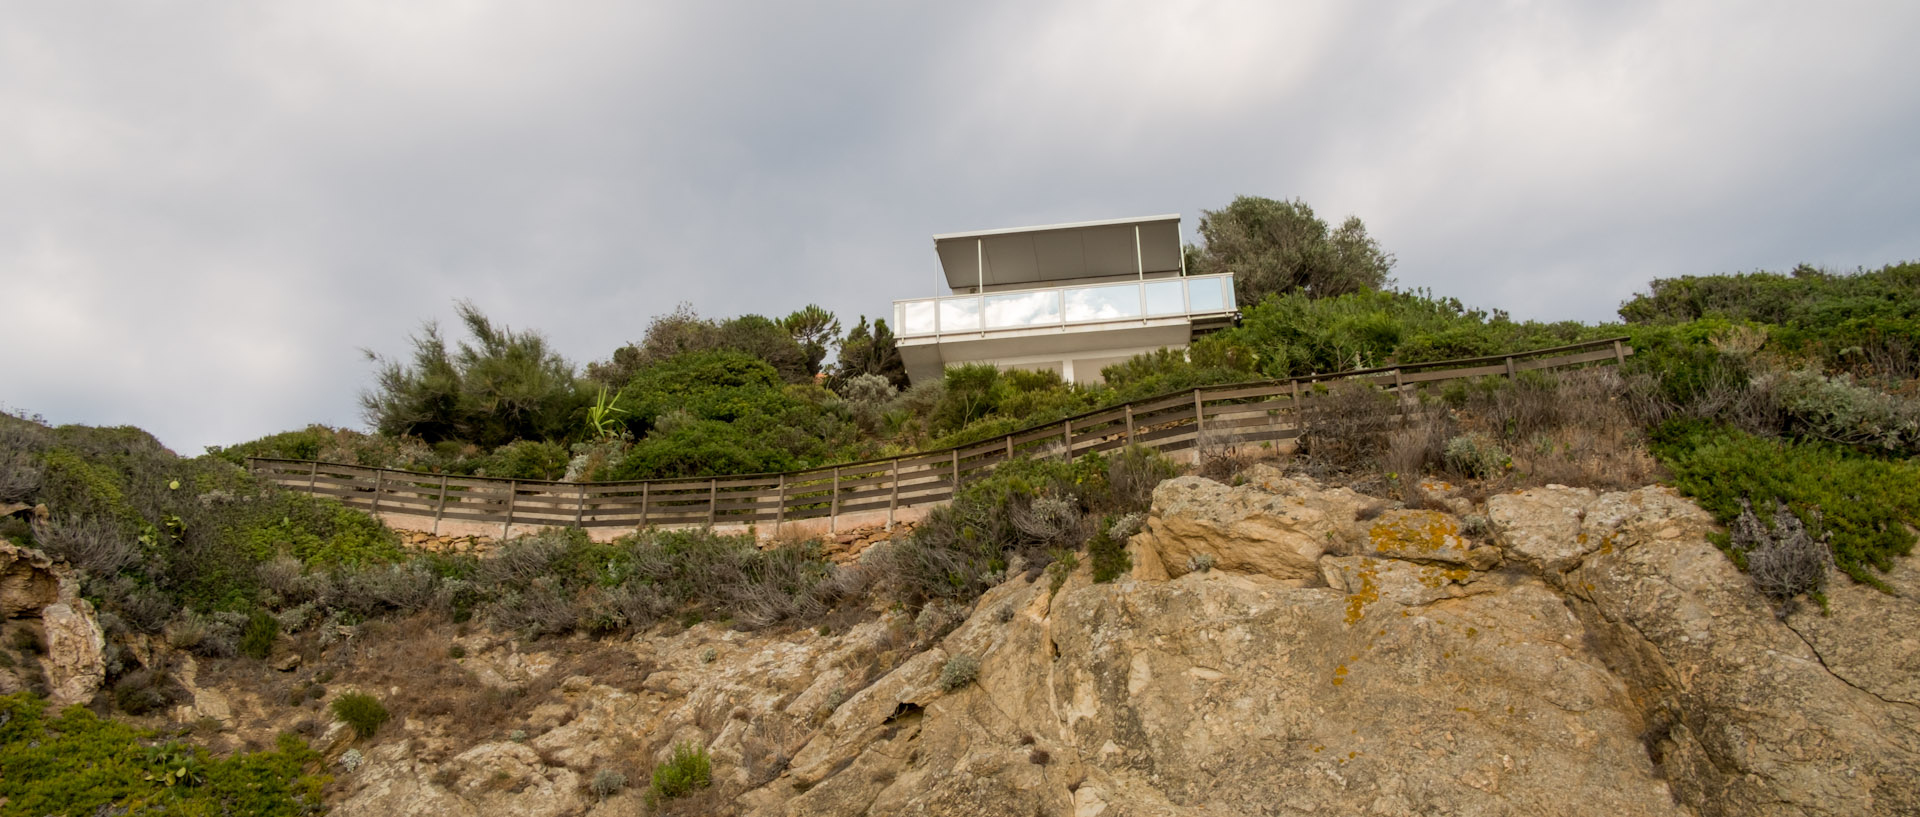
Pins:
x: 74, y: 762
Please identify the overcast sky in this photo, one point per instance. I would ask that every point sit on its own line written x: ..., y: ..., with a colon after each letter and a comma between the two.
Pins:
x: 207, y: 210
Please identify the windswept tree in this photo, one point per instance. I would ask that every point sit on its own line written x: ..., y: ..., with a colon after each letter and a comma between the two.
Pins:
x: 684, y: 331
x: 496, y: 387
x: 813, y: 327
x: 1275, y: 247
x: 870, y: 351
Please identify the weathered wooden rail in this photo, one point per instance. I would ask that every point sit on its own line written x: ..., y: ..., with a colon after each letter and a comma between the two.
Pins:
x: 1243, y: 413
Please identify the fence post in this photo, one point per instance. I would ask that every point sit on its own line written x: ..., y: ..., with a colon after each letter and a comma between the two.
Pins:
x: 513, y: 490
x: 894, y: 500
x: 713, y: 495
x: 441, y: 508
x: 1199, y: 418
x: 955, y: 489
x: 833, y: 504
x: 1129, y: 424
x: 580, y: 506
x: 1619, y: 354
x: 313, y: 474
x: 1067, y: 433
x: 379, y: 479
x: 1009, y: 448
x: 1510, y: 372
x: 780, y: 512
x: 644, y: 487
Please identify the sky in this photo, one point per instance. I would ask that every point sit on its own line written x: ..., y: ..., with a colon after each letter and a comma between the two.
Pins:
x: 209, y: 211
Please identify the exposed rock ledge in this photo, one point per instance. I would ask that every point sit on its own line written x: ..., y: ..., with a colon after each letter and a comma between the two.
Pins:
x: 40, y: 604
x: 1598, y: 657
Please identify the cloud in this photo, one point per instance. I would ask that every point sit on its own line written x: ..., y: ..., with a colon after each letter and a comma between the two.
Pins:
x: 205, y: 214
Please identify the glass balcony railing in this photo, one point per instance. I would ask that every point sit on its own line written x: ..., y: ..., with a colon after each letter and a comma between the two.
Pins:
x: 1065, y: 306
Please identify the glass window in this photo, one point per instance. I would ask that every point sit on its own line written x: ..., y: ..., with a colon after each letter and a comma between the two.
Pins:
x: 959, y: 314
x: 1103, y: 303
x: 915, y: 317
x: 1023, y: 309
x: 1165, y: 298
x: 1203, y: 295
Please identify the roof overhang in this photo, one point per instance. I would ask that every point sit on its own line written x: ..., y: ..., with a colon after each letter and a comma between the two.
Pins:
x: 1060, y: 252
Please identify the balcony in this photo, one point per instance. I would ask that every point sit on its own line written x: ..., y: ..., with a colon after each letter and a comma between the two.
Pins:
x: 1130, y: 303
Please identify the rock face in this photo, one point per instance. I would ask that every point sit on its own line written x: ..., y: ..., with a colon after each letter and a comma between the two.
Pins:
x: 1272, y: 525
x: 1599, y: 656
x: 41, y: 599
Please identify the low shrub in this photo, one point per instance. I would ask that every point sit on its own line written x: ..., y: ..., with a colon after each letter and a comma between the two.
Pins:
x: 690, y: 769
x: 1838, y: 410
x: 1476, y: 455
x: 361, y: 711
x: 959, y: 671
x: 1783, y: 560
x: 607, y: 783
x: 256, y: 640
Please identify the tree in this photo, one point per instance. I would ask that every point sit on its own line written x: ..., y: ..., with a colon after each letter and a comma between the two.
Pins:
x: 813, y: 328
x: 871, y: 351
x: 683, y: 331
x: 1275, y: 247
x: 499, y: 387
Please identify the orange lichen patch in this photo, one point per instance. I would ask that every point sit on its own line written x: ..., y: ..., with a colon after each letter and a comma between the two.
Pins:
x: 1415, y: 532
x: 1367, y: 594
x: 1340, y: 675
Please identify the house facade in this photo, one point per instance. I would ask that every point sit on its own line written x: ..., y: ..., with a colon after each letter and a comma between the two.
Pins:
x: 1069, y: 298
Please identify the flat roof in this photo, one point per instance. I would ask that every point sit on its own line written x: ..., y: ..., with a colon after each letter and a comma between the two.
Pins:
x: 1058, y: 252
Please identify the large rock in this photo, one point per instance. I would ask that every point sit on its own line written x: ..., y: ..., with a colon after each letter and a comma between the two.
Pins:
x: 1219, y: 693
x: 1271, y: 525
x: 33, y: 586
x: 1744, y: 714
x: 1541, y: 526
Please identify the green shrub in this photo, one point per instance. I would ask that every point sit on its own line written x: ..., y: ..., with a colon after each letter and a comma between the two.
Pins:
x: 256, y: 640
x: 1107, y: 550
x: 690, y: 769
x: 959, y: 671
x: 1476, y: 455
x: 78, y: 763
x: 361, y: 711
x: 1866, y: 504
x: 1837, y: 410
x: 527, y: 459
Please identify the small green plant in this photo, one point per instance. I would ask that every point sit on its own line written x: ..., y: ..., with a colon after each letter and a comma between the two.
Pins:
x: 456, y: 652
x: 1200, y: 563
x: 708, y: 655
x: 600, y: 415
x: 959, y: 671
x: 256, y: 641
x: 690, y: 768
x: 361, y: 711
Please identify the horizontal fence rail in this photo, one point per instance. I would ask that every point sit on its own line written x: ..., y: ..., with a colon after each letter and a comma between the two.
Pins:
x: 1264, y: 412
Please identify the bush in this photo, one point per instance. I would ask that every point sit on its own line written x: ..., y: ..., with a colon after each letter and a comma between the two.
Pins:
x: 1476, y: 455
x: 1837, y: 410
x: 94, y: 545
x: 361, y: 711
x: 607, y: 783
x: 1107, y: 550
x: 690, y: 769
x: 256, y: 641
x: 526, y: 459
x: 1784, y: 560
x: 959, y: 671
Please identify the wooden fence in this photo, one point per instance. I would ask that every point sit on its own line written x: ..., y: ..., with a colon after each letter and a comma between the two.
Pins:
x: 1236, y: 414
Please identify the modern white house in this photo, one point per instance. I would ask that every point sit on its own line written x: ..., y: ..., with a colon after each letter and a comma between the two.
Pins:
x: 1070, y: 298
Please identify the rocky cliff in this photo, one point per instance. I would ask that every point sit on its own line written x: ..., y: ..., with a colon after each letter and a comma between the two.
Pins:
x: 1280, y: 648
